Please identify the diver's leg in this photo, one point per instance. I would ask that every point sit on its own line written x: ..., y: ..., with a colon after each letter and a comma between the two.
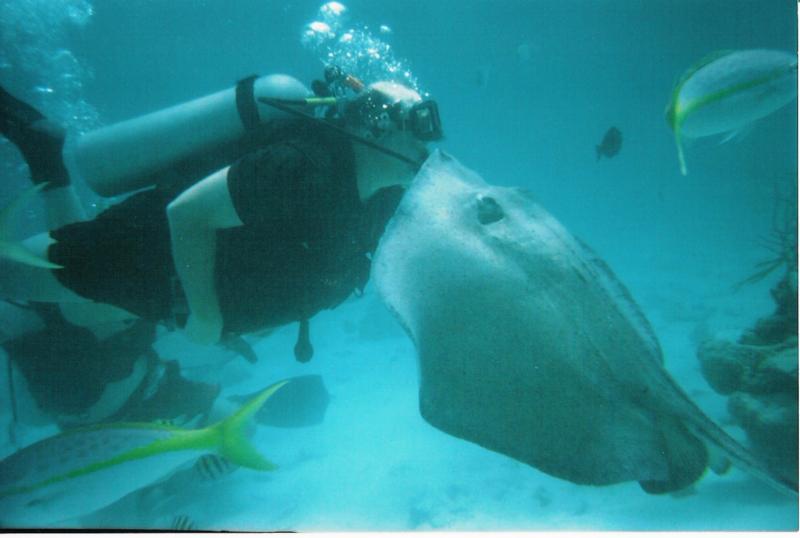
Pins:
x: 41, y: 141
x: 22, y: 282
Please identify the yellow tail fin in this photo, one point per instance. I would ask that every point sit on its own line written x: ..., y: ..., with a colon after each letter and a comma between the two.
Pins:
x: 681, y: 157
x: 234, y: 444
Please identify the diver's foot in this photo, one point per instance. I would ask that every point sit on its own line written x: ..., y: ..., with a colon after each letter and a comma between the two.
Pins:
x: 39, y: 140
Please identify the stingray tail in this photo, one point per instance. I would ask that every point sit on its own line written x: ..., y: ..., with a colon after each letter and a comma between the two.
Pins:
x: 705, y: 428
x: 744, y: 459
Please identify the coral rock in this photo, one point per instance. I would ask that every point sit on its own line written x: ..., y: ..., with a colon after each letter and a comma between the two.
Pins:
x: 724, y: 364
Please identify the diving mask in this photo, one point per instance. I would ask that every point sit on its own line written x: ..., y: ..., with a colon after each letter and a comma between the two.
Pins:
x: 422, y: 119
x: 375, y: 110
x: 343, y: 99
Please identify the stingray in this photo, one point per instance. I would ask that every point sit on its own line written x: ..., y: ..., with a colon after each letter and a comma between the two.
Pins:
x: 529, y: 346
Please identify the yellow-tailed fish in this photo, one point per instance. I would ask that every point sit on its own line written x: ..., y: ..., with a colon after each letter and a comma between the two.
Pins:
x: 78, y: 472
x: 727, y: 90
x: 12, y: 249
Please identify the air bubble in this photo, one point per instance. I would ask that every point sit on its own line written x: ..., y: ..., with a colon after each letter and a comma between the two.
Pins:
x: 316, y: 34
x: 334, y: 14
x: 319, y: 27
x: 332, y: 9
x: 80, y: 12
x: 355, y: 48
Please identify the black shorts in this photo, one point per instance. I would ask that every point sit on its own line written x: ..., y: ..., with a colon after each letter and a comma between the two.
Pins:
x: 122, y: 257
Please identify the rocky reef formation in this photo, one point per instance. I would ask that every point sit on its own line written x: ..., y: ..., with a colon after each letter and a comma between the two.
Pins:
x: 758, y: 373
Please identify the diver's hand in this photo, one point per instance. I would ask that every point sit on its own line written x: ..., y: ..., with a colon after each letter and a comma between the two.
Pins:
x: 204, y: 330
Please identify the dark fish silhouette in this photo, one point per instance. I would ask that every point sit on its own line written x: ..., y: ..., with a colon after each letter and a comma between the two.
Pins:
x: 303, y: 404
x: 611, y: 144
x: 482, y: 78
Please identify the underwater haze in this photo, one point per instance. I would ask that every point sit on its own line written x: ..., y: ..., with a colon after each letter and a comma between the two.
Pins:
x: 526, y: 91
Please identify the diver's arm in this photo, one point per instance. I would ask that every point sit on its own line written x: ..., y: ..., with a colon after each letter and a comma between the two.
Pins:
x: 194, y: 218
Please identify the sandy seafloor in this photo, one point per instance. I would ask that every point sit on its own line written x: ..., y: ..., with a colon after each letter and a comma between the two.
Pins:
x: 374, y: 464
x: 524, y: 96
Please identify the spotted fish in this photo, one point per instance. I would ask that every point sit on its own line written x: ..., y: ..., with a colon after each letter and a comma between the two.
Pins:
x: 728, y: 90
x: 78, y: 472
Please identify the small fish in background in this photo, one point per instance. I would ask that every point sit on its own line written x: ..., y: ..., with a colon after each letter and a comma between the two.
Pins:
x: 182, y: 523
x: 728, y: 90
x: 610, y: 145
x: 213, y: 467
x: 78, y: 472
x: 524, y: 52
x: 482, y: 77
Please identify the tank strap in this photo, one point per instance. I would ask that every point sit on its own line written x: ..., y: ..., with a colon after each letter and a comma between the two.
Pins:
x: 246, y: 103
x: 303, y: 351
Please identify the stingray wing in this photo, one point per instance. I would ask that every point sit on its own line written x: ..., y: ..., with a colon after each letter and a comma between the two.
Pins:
x: 622, y: 299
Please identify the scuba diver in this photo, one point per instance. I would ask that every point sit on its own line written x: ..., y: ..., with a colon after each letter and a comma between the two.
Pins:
x: 261, y: 204
x: 70, y: 370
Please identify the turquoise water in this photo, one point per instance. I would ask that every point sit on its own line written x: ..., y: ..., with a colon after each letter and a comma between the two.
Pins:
x: 526, y: 89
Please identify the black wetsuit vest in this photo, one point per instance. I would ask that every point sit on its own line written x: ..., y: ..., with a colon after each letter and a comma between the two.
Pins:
x: 304, y: 246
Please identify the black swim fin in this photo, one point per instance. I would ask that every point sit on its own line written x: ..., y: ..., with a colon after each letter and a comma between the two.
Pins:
x: 39, y: 140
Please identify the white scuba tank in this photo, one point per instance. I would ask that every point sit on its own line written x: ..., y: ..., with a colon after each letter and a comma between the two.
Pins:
x: 123, y: 157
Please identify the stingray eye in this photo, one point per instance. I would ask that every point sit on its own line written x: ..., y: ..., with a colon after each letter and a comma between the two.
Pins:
x: 489, y: 210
